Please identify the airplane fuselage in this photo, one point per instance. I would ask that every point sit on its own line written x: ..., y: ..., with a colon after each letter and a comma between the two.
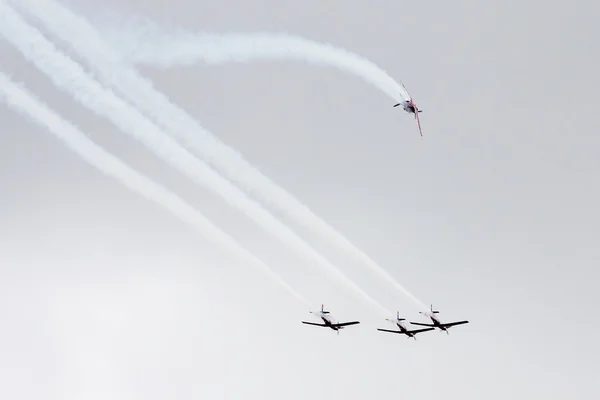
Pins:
x: 408, y: 106
x: 437, y: 323
x: 327, y: 321
x: 404, y: 330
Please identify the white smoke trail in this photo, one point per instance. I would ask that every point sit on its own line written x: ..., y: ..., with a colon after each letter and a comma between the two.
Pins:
x: 19, y: 99
x: 90, y: 45
x: 143, y: 42
x: 69, y: 76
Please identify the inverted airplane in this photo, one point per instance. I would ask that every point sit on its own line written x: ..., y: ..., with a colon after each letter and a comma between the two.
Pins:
x: 403, y: 330
x: 436, y: 323
x: 410, y: 107
x: 328, y: 321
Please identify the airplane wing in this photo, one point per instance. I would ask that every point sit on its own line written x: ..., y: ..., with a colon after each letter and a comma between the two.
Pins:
x: 449, y: 324
x: 345, y: 324
x: 405, y: 89
x: 388, y: 330
x: 418, y: 121
x: 422, y: 324
x: 415, y: 331
x: 313, y: 323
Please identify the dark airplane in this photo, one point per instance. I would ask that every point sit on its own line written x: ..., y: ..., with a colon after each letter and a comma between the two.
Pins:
x: 329, y: 322
x: 403, y: 330
x: 436, y: 322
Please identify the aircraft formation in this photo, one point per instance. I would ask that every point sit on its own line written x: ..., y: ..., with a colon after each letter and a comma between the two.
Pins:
x: 436, y: 323
x: 327, y: 320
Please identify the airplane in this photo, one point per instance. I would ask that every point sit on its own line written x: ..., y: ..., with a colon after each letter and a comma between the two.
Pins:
x: 410, y: 107
x: 329, y: 322
x: 436, y: 322
x: 403, y: 330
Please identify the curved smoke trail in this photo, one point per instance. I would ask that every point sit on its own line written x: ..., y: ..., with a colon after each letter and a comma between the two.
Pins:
x: 25, y: 103
x: 141, y: 41
x: 167, y: 50
x: 87, y: 42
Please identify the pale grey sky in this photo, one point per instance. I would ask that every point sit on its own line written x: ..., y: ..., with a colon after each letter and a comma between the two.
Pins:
x: 491, y: 216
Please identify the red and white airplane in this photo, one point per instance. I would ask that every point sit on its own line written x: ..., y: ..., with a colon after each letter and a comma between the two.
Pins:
x: 329, y: 322
x: 410, y: 107
x: 403, y: 330
x: 436, y: 323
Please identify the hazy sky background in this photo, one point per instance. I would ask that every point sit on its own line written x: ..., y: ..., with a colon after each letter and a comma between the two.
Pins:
x: 492, y: 216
